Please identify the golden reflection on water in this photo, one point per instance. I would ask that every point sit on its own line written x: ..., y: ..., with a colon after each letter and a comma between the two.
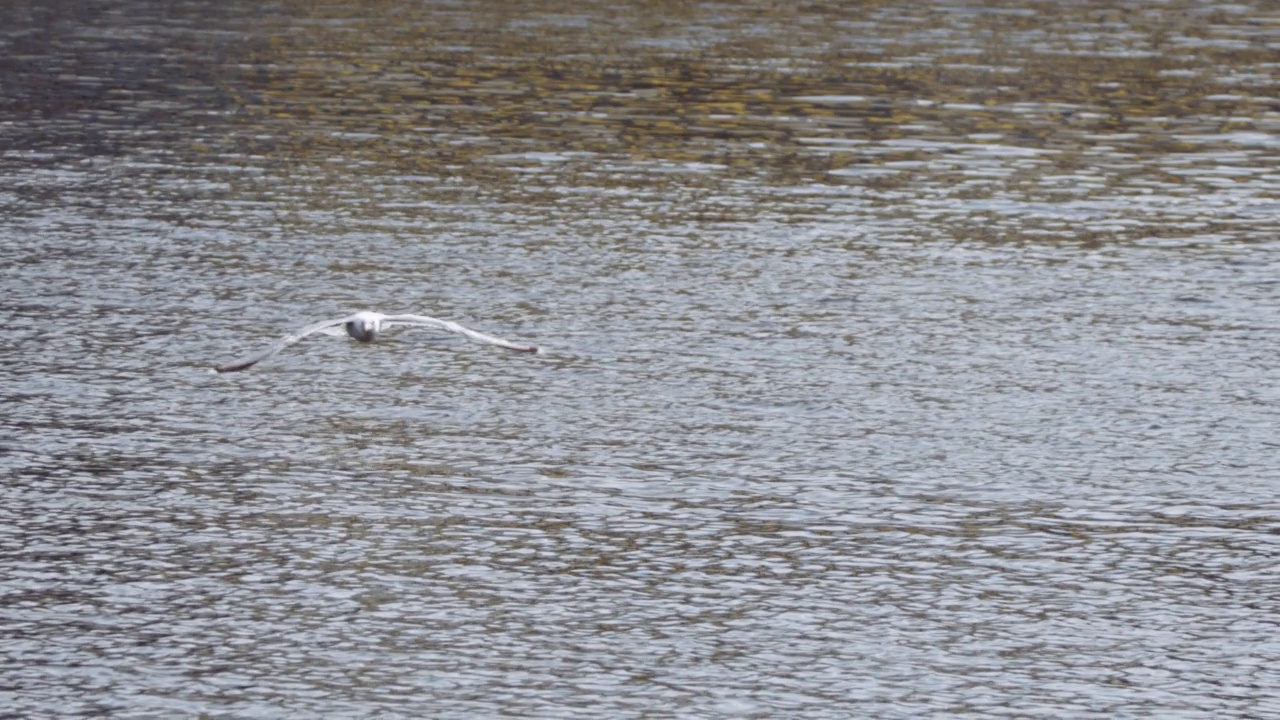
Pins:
x: 522, y: 100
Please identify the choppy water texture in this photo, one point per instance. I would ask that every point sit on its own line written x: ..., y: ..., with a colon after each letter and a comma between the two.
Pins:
x: 901, y: 360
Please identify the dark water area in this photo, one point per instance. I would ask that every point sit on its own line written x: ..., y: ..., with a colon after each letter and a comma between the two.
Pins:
x: 898, y: 360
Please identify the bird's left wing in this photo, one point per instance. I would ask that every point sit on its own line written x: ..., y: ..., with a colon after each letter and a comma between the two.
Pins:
x: 453, y: 327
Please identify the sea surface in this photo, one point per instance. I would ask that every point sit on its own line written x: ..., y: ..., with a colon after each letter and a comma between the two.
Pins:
x: 898, y: 360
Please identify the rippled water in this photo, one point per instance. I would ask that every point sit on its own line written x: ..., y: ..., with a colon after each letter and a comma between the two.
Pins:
x: 899, y: 361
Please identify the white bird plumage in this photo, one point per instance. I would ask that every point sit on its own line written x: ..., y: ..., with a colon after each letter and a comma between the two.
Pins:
x: 365, y: 326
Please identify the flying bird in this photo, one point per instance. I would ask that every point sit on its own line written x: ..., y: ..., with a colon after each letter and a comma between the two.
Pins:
x: 365, y: 326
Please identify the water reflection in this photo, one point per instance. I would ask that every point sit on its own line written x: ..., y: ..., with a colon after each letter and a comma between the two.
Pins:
x: 901, y: 361
x: 536, y: 110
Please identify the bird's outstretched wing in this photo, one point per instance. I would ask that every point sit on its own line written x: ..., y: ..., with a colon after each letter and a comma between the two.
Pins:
x: 453, y: 327
x: 282, y: 343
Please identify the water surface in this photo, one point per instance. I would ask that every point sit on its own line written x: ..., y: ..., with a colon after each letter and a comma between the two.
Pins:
x: 899, y: 360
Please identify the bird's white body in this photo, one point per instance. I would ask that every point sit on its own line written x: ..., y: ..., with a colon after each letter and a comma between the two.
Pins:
x: 365, y: 327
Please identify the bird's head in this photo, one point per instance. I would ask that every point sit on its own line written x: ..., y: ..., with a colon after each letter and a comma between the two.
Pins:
x: 364, y: 329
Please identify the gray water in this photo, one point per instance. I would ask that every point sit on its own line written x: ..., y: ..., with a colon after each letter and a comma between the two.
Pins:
x: 907, y: 361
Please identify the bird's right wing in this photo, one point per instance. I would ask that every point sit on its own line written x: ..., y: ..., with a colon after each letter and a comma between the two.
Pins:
x: 281, y: 344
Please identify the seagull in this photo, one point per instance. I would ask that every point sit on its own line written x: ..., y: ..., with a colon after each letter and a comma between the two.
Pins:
x: 365, y: 326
